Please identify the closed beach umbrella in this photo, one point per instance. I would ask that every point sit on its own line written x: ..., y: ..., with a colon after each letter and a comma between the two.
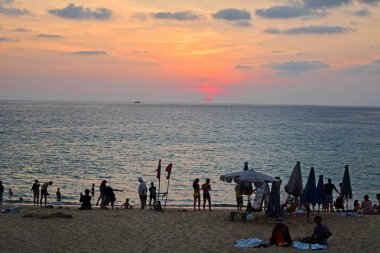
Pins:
x: 309, y: 193
x: 274, y: 207
x: 320, y: 192
x: 295, y: 186
x: 346, y: 189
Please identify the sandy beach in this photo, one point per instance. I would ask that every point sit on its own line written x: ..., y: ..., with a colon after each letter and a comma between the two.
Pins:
x: 175, y: 230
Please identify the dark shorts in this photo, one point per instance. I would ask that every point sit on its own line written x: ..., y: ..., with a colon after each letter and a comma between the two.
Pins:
x: 154, y: 197
x: 329, y: 198
x: 239, y: 201
x: 44, y: 193
x: 206, y: 196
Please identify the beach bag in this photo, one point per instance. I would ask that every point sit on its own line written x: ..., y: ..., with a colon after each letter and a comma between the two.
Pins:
x: 157, y: 205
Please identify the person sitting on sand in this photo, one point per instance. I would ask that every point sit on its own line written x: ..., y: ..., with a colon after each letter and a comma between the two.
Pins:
x: 36, y: 192
x: 126, y: 205
x: 376, y: 207
x: 320, y: 233
x: 366, y: 205
x: 356, y: 206
x: 197, y: 194
x: 44, y: 191
x: 280, y: 234
x: 206, y: 188
x: 85, y: 200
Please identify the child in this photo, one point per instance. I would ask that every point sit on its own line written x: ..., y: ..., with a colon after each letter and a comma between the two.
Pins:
x: 85, y: 200
x: 58, y: 194
x: 126, y: 205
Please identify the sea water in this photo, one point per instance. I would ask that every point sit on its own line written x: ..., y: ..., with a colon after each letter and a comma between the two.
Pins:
x: 76, y: 144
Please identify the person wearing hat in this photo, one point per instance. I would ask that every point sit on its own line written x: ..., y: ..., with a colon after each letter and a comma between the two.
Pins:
x: 36, y: 192
x: 280, y: 234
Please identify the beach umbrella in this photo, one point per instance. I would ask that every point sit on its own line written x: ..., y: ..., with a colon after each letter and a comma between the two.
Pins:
x: 346, y: 190
x: 274, y: 207
x: 247, y: 175
x: 320, y: 192
x: 295, y: 186
x: 309, y: 192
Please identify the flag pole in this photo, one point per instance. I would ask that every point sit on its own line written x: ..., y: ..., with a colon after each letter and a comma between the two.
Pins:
x: 167, y: 192
x: 169, y: 171
x: 159, y: 178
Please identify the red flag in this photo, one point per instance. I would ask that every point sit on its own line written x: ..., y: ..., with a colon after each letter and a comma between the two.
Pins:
x: 159, y: 170
x: 169, y: 170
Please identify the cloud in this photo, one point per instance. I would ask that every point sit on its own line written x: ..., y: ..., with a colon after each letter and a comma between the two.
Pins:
x: 10, y: 11
x: 89, y: 53
x: 232, y: 15
x: 48, y: 36
x: 21, y: 30
x: 371, y: 68
x: 5, y: 39
x: 78, y: 12
x: 296, y: 67
x: 361, y: 13
x: 139, y: 52
x: 371, y: 2
x: 318, y: 4
x: 309, y: 30
x: 286, y: 12
x: 180, y: 16
x: 244, y: 67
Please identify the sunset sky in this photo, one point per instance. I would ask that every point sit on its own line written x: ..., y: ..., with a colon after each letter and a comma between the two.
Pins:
x: 318, y: 52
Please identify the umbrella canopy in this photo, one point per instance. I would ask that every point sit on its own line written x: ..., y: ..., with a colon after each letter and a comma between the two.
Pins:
x: 320, y: 192
x: 346, y: 189
x: 250, y: 176
x: 295, y: 186
x: 274, y: 207
x: 309, y: 193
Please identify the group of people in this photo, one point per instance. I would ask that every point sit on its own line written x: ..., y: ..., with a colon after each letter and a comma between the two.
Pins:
x: 281, y: 234
x: 206, y: 188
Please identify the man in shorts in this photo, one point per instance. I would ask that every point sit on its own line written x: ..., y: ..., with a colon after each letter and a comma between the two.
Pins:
x: 206, y: 188
x: 44, y: 192
x: 329, y: 187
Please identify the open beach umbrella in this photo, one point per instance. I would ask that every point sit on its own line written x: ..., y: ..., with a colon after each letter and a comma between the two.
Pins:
x: 309, y: 193
x: 274, y: 206
x: 295, y: 186
x: 346, y: 190
x: 247, y: 175
x: 320, y: 192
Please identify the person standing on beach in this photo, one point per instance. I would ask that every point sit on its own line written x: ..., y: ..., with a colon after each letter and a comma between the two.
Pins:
x: 152, y: 194
x: 206, y: 188
x: 329, y: 187
x: 239, y: 197
x: 1, y: 193
x: 142, y: 192
x: 109, y: 196
x: 103, y: 185
x: 197, y: 194
x: 44, y: 192
x: 58, y: 195
x: 36, y: 192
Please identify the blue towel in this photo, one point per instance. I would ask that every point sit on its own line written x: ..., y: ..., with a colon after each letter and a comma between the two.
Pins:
x: 248, y: 243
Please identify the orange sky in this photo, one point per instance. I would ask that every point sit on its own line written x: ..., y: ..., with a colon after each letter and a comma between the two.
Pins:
x: 305, y: 52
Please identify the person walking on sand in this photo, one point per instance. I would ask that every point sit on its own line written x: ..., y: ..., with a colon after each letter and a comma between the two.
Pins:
x: 1, y: 193
x: 152, y: 194
x: 36, y: 192
x: 206, y: 188
x: 197, y: 194
x: 329, y: 187
x: 44, y: 191
x: 142, y: 192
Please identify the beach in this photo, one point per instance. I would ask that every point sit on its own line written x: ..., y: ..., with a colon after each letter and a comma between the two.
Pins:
x: 175, y: 230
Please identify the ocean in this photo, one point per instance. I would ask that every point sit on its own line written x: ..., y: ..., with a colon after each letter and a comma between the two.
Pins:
x: 75, y: 144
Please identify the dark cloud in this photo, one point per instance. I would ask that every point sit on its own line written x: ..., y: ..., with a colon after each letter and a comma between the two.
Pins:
x: 180, y: 16
x: 49, y: 36
x: 243, y: 67
x: 371, y: 68
x: 89, y: 53
x: 21, y: 30
x: 286, y: 12
x: 310, y: 30
x: 232, y: 15
x: 361, y: 13
x: 317, y: 4
x: 5, y: 39
x: 371, y: 2
x: 297, y: 67
x: 78, y: 12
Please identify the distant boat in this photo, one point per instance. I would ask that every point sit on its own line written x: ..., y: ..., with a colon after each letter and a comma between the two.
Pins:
x: 137, y: 102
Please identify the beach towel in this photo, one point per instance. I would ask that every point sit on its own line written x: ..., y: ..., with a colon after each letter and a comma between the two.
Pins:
x: 351, y: 214
x: 249, y: 242
x: 318, y: 246
x: 300, y: 245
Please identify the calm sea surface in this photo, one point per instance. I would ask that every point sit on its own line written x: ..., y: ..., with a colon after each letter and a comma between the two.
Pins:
x: 76, y: 144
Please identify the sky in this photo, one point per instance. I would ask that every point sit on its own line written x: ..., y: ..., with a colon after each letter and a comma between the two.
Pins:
x: 314, y: 52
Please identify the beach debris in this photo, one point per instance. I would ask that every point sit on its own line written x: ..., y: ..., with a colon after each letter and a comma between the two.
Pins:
x: 47, y: 216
